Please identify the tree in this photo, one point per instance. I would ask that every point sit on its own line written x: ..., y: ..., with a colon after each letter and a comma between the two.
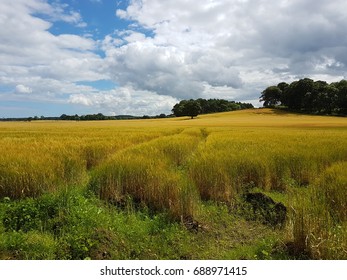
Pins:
x: 178, y: 109
x: 192, y: 108
x: 271, y: 96
x: 187, y: 108
x: 294, y: 95
x: 283, y: 86
x: 63, y: 117
x: 341, y: 102
x: 327, y: 99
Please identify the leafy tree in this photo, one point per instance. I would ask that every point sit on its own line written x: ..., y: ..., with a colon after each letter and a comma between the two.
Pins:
x: 192, y: 108
x: 294, y: 95
x: 327, y: 99
x: 308, y: 96
x: 203, y: 106
x: 271, y: 96
x: 178, y: 108
x: 283, y: 86
x: 240, y: 106
x: 341, y: 102
x: 63, y: 117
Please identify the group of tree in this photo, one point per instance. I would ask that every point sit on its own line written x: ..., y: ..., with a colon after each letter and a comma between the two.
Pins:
x: 95, y: 117
x: 89, y: 117
x: 309, y: 96
x: 101, y: 117
x: 192, y: 107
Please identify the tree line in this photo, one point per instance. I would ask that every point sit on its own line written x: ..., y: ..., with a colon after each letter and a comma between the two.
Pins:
x: 88, y: 117
x: 309, y: 96
x: 190, y: 108
x: 193, y: 107
x: 101, y: 117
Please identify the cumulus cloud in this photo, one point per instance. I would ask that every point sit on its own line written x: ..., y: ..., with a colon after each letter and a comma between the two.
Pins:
x: 125, y: 100
x: 33, y: 60
x: 237, y: 44
x: 146, y: 66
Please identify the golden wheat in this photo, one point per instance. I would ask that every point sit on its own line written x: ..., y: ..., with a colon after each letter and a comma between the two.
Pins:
x: 172, y: 164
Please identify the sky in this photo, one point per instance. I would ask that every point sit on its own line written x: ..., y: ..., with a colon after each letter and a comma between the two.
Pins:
x: 141, y: 57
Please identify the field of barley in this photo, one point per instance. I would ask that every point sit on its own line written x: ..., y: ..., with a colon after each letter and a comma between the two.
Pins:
x: 250, y: 184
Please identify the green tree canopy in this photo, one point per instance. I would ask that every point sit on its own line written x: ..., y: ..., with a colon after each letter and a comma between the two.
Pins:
x: 271, y: 96
x: 309, y: 96
x: 202, y: 106
x: 190, y: 108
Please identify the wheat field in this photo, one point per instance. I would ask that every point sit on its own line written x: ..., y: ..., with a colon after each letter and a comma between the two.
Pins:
x: 176, y: 165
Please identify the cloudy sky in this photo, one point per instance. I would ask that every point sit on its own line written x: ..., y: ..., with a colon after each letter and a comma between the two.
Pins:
x: 143, y: 56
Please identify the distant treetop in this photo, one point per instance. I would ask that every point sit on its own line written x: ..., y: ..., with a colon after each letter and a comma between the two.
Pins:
x: 309, y: 96
x: 202, y: 106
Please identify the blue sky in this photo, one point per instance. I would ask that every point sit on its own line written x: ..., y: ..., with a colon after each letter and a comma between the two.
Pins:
x: 99, y: 17
x: 141, y: 57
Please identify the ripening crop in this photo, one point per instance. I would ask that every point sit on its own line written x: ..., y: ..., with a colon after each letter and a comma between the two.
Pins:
x: 173, y: 165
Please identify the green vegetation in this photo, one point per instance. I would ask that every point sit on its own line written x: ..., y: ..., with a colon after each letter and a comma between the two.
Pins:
x: 192, y: 107
x: 250, y: 184
x: 307, y: 95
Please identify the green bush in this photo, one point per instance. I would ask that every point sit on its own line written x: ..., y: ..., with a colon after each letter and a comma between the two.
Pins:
x: 30, y: 214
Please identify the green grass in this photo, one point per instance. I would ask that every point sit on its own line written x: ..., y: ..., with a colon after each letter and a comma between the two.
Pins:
x: 76, y: 226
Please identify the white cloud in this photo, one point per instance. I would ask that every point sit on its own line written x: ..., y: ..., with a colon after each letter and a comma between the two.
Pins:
x: 237, y: 44
x: 125, y: 100
x: 61, y: 12
x: 23, y: 89
x: 80, y: 99
x: 46, y: 64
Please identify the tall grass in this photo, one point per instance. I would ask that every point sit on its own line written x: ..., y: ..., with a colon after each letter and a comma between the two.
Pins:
x: 150, y: 174
x: 44, y: 157
x: 230, y: 162
x: 319, y: 218
x: 28, y: 171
